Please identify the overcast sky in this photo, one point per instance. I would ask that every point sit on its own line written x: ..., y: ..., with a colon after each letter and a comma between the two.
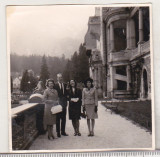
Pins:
x: 52, y: 30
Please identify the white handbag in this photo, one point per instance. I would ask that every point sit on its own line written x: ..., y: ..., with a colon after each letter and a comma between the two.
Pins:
x: 56, y: 109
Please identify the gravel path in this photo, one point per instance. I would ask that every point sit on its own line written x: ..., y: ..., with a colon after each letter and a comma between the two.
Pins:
x: 111, y: 131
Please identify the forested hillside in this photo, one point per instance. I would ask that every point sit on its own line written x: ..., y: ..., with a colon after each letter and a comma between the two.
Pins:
x: 77, y: 67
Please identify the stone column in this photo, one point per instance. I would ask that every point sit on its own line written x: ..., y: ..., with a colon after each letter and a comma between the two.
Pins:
x: 128, y: 34
x: 142, y: 87
x: 96, y: 77
x: 140, y: 25
x: 131, y: 37
x: 100, y: 76
x: 108, y: 38
x: 112, y: 79
x: 100, y: 80
x: 112, y: 37
x: 103, y: 42
x: 128, y: 77
x: 132, y: 34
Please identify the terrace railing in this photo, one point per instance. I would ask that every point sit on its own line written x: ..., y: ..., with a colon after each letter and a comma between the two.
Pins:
x: 24, y: 125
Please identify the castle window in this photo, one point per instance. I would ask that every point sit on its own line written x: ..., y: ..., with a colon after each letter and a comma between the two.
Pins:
x: 121, y: 85
x: 146, y: 24
x: 121, y: 70
x: 136, y: 20
x: 120, y: 38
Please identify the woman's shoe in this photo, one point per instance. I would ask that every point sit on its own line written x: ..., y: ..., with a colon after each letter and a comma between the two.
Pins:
x: 53, y: 136
x: 49, y: 138
x: 89, y: 134
x: 79, y: 134
x: 75, y: 134
x: 92, y: 133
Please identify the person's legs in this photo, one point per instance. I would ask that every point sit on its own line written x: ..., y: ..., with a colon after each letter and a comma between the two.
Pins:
x: 77, y: 125
x: 52, y: 131
x: 93, y: 123
x: 58, y: 124
x: 74, y: 124
x: 63, y: 122
x: 49, y: 131
x: 89, y: 127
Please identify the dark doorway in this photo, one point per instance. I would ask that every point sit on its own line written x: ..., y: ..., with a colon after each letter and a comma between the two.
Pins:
x: 145, y: 83
x: 121, y: 85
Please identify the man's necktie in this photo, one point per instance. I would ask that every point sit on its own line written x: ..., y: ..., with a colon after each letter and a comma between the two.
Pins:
x: 62, y: 88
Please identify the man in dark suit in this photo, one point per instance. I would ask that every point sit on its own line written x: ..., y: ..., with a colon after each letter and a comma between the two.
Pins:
x: 61, y: 117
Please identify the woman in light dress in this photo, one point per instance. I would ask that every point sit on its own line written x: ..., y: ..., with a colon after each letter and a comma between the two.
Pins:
x: 90, y: 104
x: 50, y: 99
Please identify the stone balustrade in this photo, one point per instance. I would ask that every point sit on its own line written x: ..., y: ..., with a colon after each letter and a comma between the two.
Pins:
x: 24, y: 125
x: 128, y: 55
x: 120, y: 94
x: 118, y: 56
x: 142, y: 49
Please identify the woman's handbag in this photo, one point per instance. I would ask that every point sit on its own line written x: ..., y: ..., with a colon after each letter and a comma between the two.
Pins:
x: 56, y: 109
x: 83, y: 114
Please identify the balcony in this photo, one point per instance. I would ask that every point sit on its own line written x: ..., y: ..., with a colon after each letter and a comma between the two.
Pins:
x: 128, y: 55
x: 119, y: 56
x: 142, y: 49
x: 123, y: 94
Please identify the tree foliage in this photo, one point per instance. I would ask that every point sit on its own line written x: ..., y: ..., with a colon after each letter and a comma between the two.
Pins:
x: 34, y: 62
x: 28, y: 82
x: 25, y: 82
x: 44, y: 74
x: 77, y: 67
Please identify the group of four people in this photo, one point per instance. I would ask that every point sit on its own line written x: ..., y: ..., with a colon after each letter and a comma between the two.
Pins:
x: 60, y: 93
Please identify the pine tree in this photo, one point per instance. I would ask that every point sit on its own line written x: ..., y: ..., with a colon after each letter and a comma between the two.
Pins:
x: 67, y: 71
x: 74, y: 67
x: 11, y: 84
x: 83, y: 67
x: 44, y: 73
x: 78, y: 67
x: 25, y: 82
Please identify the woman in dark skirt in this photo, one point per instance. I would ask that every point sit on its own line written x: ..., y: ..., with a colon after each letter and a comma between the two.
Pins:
x: 75, y: 96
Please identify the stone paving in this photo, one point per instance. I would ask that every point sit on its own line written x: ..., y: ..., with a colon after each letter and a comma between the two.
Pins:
x: 111, y: 131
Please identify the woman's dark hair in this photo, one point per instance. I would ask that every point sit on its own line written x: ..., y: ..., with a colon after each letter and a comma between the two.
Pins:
x: 88, y: 80
x: 50, y: 80
x: 70, y: 83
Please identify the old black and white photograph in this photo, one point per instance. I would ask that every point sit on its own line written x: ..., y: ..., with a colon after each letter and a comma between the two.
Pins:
x: 80, y: 78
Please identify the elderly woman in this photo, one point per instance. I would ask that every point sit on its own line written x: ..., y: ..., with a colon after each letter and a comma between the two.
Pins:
x: 50, y: 99
x: 90, y: 104
x: 39, y: 89
x: 75, y: 102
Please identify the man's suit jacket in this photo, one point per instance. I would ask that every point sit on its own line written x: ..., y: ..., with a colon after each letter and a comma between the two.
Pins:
x: 62, y: 95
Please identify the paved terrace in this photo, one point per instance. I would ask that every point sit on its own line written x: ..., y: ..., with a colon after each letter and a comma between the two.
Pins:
x: 111, y: 131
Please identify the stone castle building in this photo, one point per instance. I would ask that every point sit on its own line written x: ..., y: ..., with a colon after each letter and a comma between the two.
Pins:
x: 118, y: 47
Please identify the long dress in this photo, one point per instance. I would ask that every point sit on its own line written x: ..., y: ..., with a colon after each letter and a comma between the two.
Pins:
x: 51, y: 99
x: 75, y: 107
x: 90, y: 100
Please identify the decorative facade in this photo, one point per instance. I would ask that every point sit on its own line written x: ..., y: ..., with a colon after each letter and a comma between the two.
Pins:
x: 120, y: 54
